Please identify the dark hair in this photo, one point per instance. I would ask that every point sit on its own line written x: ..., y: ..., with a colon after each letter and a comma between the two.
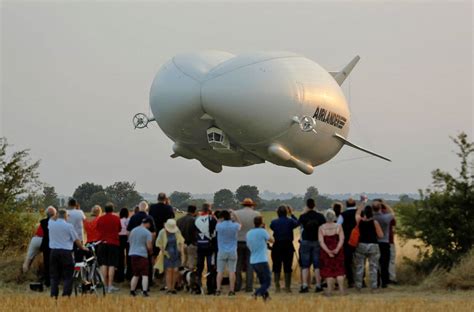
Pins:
x: 350, y: 203
x: 146, y: 220
x: 337, y: 207
x: 206, y: 207
x: 123, y: 213
x: 161, y: 197
x: 225, y: 214
x: 136, y: 209
x: 368, y: 212
x: 282, y: 211
x: 109, y: 207
x: 258, y: 221
x: 310, y: 203
x: 192, y: 209
x: 72, y: 202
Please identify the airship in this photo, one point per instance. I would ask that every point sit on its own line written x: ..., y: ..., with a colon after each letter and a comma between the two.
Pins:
x: 241, y: 110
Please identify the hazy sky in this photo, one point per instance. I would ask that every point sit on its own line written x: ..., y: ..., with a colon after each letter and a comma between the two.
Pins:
x: 74, y: 74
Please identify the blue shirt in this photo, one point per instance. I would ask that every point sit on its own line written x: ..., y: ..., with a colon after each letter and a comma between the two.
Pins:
x: 257, y: 243
x: 283, y: 228
x: 227, y: 236
x: 61, y: 234
x: 138, y: 239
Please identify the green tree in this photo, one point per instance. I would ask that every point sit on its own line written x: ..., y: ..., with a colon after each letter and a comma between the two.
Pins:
x: 83, y: 194
x: 180, y: 199
x: 311, y: 192
x: 19, y: 181
x: 443, y: 218
x: 50, y: 196
x: 123, y: 194
x: 224, y: 199
x: 247, y: 191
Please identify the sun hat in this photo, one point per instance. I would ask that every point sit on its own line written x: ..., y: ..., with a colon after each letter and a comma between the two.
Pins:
x: 171, y: 226
x: 248, y: 202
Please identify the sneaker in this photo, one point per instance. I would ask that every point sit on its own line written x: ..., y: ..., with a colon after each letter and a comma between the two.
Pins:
x: 231, y: 293
x: 145, y: 294
x: 133, y: 293
x: 113, y: 288
x: 304, y: 289
x: 318, y: 289
x: 217, y: 293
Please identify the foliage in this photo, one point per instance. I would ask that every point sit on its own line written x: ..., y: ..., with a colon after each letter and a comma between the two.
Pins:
x: 180, y: 199
x: 311, y: 192
x: 123, y: 194
x: 224, y: 199
x: 88, y: 193
x: 50, y: 197
x: 247, y: 191
x: 18, y: 184
x: 443, y: 218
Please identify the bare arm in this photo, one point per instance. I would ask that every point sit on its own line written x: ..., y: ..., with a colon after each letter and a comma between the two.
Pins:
x: 322, y: 244
x: 341, y: 238
x: 149, y: 247
x: 79, y: 244
x: 378, y: 229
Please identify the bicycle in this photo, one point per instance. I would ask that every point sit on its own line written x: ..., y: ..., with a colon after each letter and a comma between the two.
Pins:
x: 87, y: 277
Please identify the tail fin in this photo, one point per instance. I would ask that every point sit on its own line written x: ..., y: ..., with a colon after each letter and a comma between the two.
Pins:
x: 344, y: 73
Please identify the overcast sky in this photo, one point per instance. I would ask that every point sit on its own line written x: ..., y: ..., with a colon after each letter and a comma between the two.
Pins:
x: 74, y: 74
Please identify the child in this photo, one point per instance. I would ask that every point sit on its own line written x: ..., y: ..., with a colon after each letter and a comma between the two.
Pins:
x: 257, y: 239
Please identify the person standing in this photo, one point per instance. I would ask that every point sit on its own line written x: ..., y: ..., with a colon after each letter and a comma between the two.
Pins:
x: 140, y: 248
x: 246, y: 216
x: 124, y: 246
x: 368, y: 247
x: 348, y: 221
x: 257, y: 239
x: 50, y: 214
x: 160, y: 212
x: 331, y: 239
x: 62, y: 237
x: 170, y: 243
x: 90, y: 225
x: 109, y: 227
x: 283, y: 249
x: 384, y: 219
x: 206, y: 231
x: 227, y: 231
x: 76, y: 217
x: 188, y: 230
x: 309, y: 247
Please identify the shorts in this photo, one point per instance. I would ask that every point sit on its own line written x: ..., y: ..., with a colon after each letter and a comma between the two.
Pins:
x: 309, y: 254
x: 139, y: 266
x: 228, y: 259
x: 108, y: 255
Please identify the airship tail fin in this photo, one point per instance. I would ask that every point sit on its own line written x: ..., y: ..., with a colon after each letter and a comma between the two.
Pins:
x: 346, y: 142
x: 344, y: 73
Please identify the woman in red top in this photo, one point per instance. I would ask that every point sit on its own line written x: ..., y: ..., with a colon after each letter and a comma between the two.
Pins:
x: 331, y: 239
x: 90, y: 225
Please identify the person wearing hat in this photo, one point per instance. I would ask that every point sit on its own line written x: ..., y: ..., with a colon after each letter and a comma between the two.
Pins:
x: 140, y: 248
x: 171, y: 245
x: 246, y: 215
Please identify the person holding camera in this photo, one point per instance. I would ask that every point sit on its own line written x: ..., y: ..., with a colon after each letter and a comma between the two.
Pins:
x: 283, y: 249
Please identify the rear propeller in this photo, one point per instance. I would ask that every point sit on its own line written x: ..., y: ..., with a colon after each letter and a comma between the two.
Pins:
x: 141, y: 121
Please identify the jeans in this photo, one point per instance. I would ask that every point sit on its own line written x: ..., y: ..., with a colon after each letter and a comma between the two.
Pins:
x: 349, y: 263
x: 264, y: 277
x: 243, y: 264
x: 371, y: 252
x: 392, y: 268
x: 309, y: 254
x: 61, y: 266
x: 384, y: 262
x: 211, y: 274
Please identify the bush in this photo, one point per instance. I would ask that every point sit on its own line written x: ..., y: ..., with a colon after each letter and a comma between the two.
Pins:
x: 17, y: 230
x: 443, y: 218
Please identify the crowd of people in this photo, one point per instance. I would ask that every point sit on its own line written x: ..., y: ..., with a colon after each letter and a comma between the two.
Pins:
x: 150, y: 247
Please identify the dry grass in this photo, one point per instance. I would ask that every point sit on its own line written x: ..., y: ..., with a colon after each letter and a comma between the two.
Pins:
x: 308, y: 302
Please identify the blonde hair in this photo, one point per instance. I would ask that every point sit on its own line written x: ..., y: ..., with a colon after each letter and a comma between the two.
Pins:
x: 143, y: 206
x: 330, y: 215
x: 96, y: 211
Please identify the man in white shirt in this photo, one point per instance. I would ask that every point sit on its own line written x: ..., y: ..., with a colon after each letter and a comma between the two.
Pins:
x: 76, y: 218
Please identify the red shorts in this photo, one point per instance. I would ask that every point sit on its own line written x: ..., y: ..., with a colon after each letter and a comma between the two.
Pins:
x: 140, y: 266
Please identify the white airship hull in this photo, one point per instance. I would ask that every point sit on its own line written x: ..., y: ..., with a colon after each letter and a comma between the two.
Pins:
x: 250, y: 102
